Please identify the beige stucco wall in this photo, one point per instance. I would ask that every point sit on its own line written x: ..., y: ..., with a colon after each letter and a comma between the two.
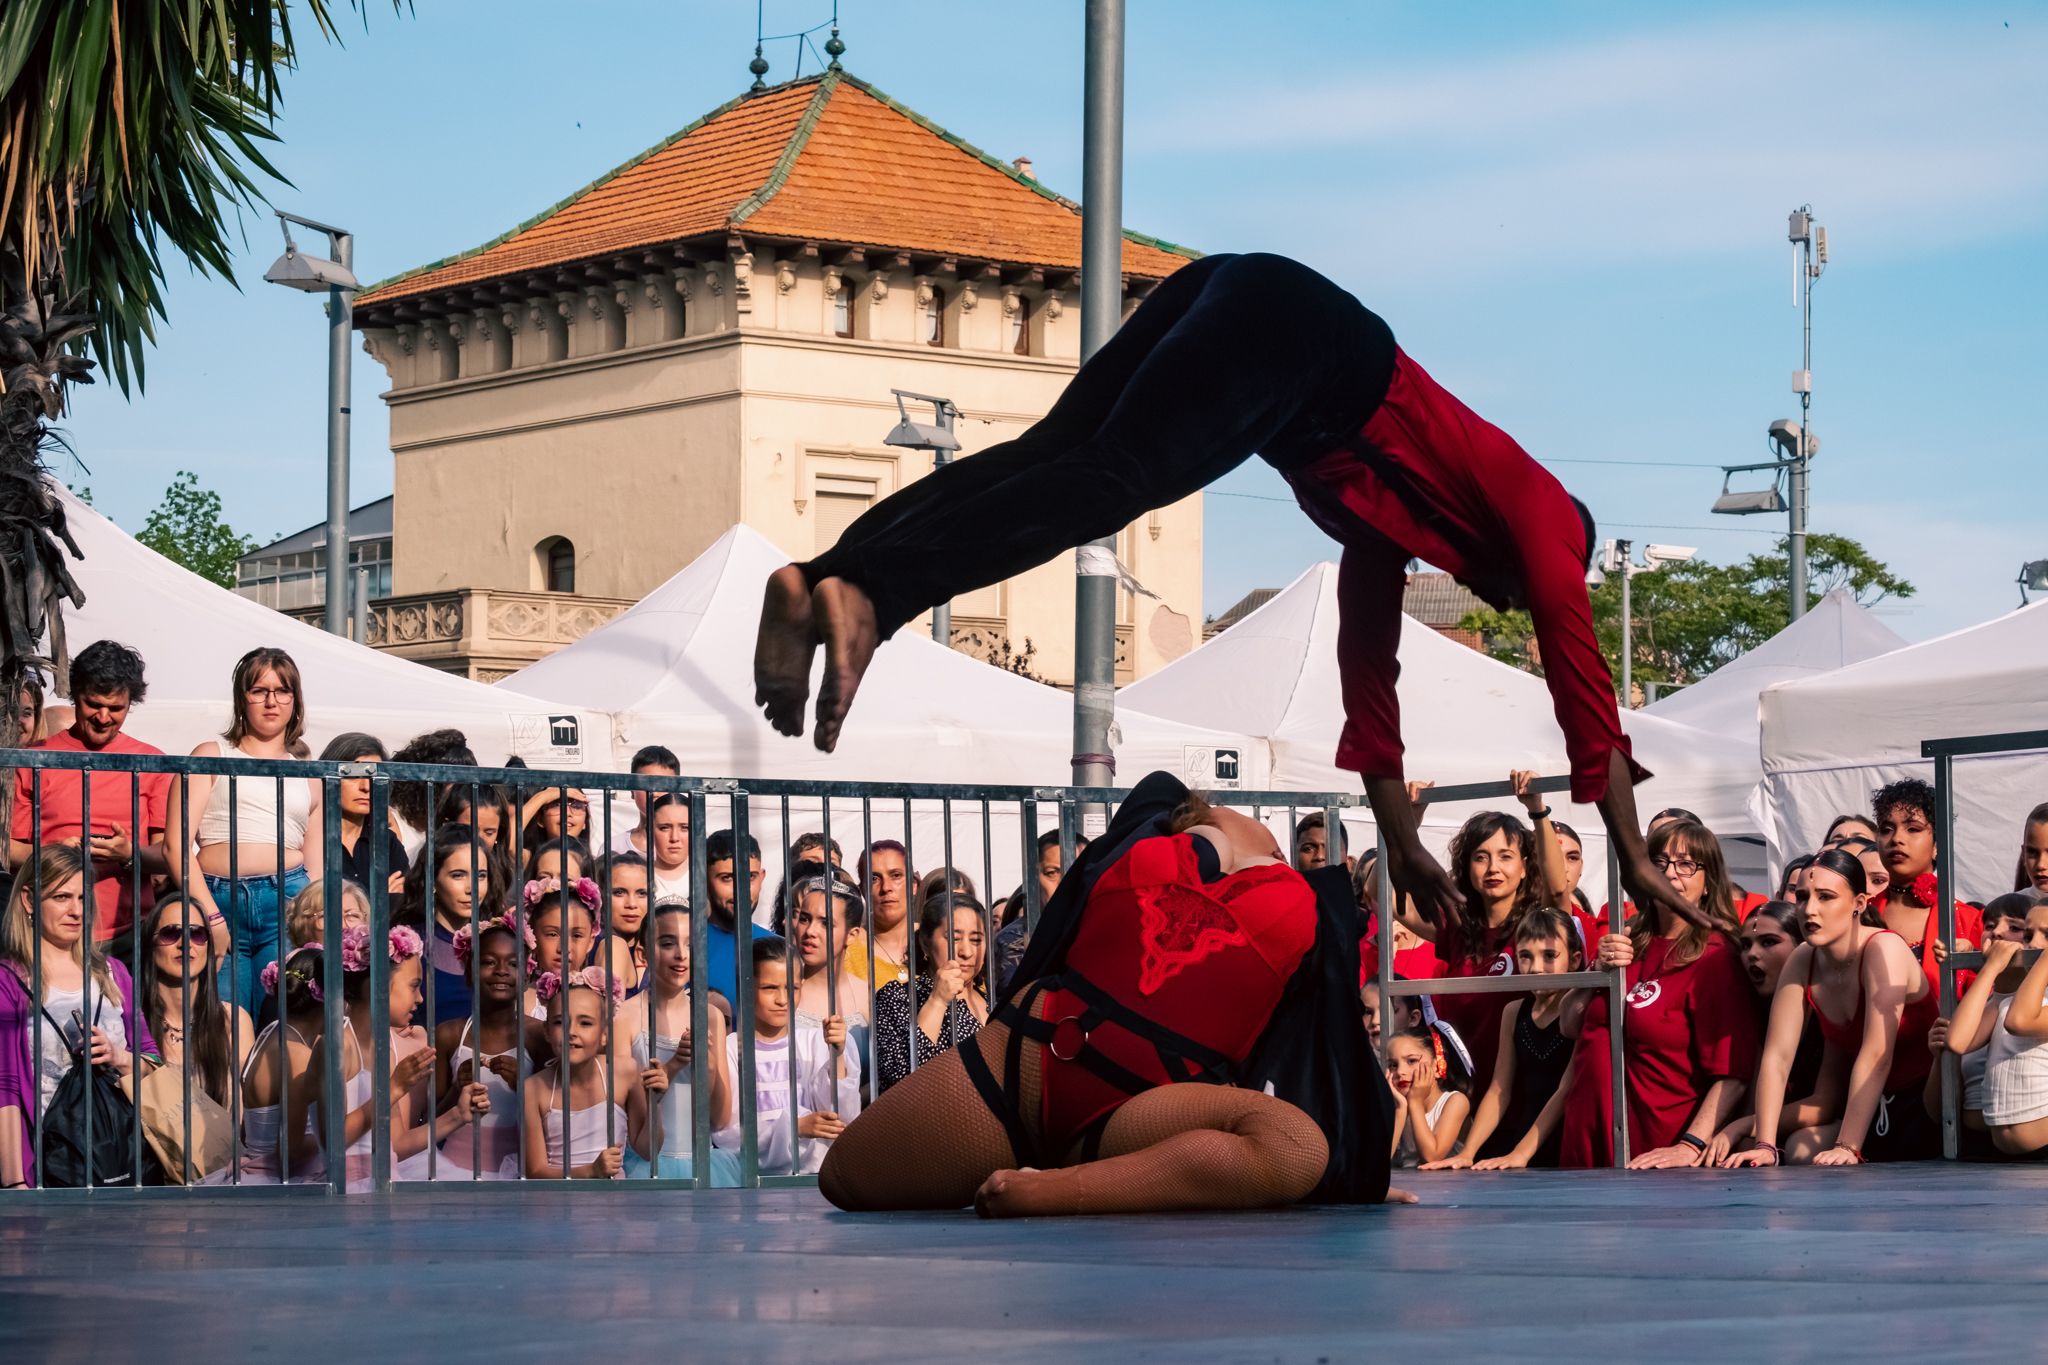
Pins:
x: 587, y: 416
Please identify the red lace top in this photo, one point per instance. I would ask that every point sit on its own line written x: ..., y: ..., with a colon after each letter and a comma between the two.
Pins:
x: 1208, y: 961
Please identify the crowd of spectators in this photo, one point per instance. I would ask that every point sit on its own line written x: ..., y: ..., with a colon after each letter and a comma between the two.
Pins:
x: 539, y: 970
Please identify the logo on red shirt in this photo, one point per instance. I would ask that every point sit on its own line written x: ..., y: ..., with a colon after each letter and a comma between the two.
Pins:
x: 1501, y: 966
x: 1645, y: 994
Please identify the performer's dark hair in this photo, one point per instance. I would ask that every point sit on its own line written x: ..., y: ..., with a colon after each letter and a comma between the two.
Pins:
x: 1586, y: 523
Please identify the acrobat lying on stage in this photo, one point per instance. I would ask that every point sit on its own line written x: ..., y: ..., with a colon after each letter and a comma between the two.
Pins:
x: 1183, y: 1033
x: 1233, y: 355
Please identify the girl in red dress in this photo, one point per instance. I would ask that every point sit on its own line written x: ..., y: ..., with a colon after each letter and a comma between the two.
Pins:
x: 1863, y: 986
x: 1085, y: 1091
x: 1690, y: 1039
x: 1905, y: 836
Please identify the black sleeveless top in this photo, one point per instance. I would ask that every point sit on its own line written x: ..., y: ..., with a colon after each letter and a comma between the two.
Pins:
x: 1541, y: 1055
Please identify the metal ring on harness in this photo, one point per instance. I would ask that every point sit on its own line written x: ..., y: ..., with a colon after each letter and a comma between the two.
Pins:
x: 1079, y: 1033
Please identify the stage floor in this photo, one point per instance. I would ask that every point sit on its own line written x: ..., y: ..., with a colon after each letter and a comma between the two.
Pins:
x: 1908, y: 1263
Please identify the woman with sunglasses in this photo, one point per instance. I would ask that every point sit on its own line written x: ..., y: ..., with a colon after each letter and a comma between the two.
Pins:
x: 1690, y: 1040
x: 245, y: 872
x: 183, y: 1004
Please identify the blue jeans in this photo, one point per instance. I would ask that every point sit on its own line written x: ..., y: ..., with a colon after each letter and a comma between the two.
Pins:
x: 254, y: 910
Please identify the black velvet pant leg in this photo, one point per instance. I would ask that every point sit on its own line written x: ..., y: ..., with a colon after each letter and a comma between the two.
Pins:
x: 1230, y: 356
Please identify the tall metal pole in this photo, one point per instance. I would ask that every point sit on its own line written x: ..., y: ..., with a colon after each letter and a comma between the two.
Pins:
x: 1102, y: 177
x: 340, y: 323
x: 1628, y: 624
x: 1797, y: 550
x: 942, y: 614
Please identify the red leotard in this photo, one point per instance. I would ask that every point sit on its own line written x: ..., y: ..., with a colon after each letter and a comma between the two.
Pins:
x: 1911, y: 1060
x: 1208, y: 962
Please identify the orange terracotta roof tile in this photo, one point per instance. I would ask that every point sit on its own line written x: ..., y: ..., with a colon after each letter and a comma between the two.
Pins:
x: 827, y: 158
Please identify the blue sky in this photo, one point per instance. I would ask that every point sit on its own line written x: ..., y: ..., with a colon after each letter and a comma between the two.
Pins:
x: 1573, y: 214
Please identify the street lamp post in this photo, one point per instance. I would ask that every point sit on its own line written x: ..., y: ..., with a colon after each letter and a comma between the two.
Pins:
x: 312, y: 274
x: 1102, y: 175
x: 1618, y: 556
x: 935, y: 436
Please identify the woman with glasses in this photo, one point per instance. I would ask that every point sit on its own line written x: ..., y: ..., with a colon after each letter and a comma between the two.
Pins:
x: 235, y: 849
x: 1690, y: 1038
x: 193, y: 1027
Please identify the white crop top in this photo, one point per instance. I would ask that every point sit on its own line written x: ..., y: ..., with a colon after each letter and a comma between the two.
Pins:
x: 256, y: 809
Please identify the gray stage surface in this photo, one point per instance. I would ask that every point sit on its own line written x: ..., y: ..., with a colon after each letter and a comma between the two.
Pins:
x: 1914, y: 1263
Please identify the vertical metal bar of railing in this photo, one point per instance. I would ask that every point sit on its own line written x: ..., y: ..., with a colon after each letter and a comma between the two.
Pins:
x: 430, y: 934
x: 135, y: 951
x: 793, y: 965
x: 700, y: 994
x: 605, y: 944
x: 1027, y: 833
x: 867, y: 860
x: 186, y: 1050
x: 1389, y: 912
x: 88, y: 930
x: 913, y: 887
x: 743, y: 987
x: 37, y: 984
x: 524, y: 917
x: 989, y: 927
x: 1068, y: 839
x: 1945, y: 879
x: 837, y: 1053
x: 333, y: 1120
x: 564, y: 1068
x: 477, y: 1067
x: 1617, y: 1001
x: 379, y: 1059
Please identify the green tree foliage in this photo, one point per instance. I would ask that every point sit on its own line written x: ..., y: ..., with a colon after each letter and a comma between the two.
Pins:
x: 187, y: 528
x: 1691, y: 618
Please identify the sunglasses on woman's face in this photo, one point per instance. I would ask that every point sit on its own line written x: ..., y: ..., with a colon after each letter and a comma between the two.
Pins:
x: 173, y: 934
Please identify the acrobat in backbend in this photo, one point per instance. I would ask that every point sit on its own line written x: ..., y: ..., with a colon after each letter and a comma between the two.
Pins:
x: 1233, y: 355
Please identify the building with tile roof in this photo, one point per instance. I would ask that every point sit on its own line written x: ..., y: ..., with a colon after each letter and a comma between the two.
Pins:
x: 709, y: 334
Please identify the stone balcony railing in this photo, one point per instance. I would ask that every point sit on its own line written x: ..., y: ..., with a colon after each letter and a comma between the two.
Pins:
x: 481, y: 633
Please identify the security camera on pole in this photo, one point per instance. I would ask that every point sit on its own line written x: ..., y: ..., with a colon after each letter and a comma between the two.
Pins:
x: 1794, y: 442
x: 1618, y: 556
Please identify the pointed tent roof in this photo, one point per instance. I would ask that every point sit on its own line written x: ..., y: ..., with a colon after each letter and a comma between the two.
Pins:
x: 191, y: 633
x: 825, y: 158
x: 677, y: 669
x: 1838, y: 632
x: 1464, y: 717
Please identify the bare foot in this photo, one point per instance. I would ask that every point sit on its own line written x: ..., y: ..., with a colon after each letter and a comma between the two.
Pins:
x: 783, y: 650
x: 843, y: 616
x: 998, y: 1195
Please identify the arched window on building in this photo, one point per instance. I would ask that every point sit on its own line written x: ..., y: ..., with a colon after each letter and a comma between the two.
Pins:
x: 842, y: 309
x: 1020, y: 326
x: 554, y: 562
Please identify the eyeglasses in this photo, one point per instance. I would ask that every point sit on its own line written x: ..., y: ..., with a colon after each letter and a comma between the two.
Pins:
x: 1684, y: 867
x: 172, y: 934
x: 268, y: 694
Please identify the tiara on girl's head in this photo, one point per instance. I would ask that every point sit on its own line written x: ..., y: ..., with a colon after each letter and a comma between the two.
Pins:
x: 548, y: 985
x: 401, y: 945
x: 301, y: 973
x: 583, y: 889
x: 512, y: 922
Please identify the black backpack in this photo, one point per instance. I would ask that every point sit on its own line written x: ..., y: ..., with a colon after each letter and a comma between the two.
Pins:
x: 95, y: 1090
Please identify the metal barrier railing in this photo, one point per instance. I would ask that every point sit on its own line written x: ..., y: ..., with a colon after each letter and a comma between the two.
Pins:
x: 332, y: 1045
x: 1613, y: 981
x: 1945, y: 752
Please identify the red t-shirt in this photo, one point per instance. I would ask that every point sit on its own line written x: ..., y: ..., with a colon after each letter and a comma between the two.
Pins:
x: 1687, y: 1027
x: 1428, y: 478
x: 113, y: 804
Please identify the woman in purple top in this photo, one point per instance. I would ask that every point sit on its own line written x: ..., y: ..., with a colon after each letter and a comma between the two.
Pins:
x: 48, y: 901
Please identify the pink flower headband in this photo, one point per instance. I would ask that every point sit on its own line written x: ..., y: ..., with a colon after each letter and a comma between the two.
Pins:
x: 583, y: 889
x: 403, y: 945
x: 547, y: 985
x: 301, y: 972
x: 511, y: 922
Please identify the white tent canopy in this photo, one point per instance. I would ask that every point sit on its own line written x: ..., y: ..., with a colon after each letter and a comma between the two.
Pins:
x: 1829, y: 741
x: 1837, y: 632
x: 191, y: 633
x: 1464, y: 717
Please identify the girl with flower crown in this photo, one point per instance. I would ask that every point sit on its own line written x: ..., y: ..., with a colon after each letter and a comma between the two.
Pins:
x: 606, y: 1106
x: 494, y: 1049
x: 1431, y: 1073
x: 266, y: 1158
x: 667, y: 997
x: 356, y: 1046
x: 566, y: 919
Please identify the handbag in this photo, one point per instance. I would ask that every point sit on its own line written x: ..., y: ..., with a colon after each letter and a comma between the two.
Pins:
x: 160, y: 1099
x: 96, y: 1091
